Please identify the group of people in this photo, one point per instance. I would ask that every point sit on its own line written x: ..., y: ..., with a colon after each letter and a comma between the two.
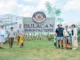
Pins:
x: 11, y: 35
x: 67, y: 37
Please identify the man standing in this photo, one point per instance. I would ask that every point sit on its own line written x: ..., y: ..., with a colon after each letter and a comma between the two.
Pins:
x: 59, y: 34
x: 20, y: 33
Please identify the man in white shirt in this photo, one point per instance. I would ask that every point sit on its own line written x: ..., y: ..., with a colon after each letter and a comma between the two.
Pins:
x: 20, y: 32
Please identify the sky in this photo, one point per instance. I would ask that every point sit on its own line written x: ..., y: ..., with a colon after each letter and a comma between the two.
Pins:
x: 70, y: 8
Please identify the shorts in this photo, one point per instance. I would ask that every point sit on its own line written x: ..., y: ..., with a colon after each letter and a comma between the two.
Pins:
x: 60, y: 38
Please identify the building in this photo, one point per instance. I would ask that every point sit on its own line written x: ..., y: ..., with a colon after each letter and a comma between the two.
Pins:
x: 11, y: 20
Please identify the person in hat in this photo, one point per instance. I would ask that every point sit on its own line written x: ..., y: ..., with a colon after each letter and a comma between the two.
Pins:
x: 59, y: 34
x: 11, y: 36
x: 2, y: 35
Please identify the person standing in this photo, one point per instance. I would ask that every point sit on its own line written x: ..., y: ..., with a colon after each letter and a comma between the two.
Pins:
x: 2, y: 36
x: 74, y: 37
x: 59, y: 34
x: 11, y: 35
x: 67, y: 35
x: 20, y: 33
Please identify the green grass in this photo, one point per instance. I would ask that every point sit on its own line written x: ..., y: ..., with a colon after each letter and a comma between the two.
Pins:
x: 38, y: 50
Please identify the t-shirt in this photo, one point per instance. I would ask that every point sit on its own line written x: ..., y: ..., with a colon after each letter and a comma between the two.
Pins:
x: 59, y: 32
x: 11, y: 34
x: 67, y: 32
x: 74, y: 32
x: 20, y: 31
x: 3, y: 33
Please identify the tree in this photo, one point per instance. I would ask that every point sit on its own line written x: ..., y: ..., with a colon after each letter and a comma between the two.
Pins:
x: 58, y: 12
x: 60, y: 20
x: 53, y: 12
x: 50, y: 9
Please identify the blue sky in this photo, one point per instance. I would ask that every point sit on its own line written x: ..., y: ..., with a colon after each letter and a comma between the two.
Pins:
x: 70, y: 8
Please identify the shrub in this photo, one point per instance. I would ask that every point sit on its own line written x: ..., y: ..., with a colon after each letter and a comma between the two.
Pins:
x: 79, y: 34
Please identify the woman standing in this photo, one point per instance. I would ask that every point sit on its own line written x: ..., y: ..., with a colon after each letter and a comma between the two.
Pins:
x: 2, y: 35
x: 67, y: 35
x: 74, y: 37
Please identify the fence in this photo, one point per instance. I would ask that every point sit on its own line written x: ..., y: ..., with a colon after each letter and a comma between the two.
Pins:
x: 38, y: 36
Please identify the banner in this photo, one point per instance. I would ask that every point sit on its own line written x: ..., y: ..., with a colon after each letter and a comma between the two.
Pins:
x: 39, y: 23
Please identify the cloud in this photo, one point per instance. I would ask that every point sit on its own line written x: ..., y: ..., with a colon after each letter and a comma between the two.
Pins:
x: 26, y: 10
x: 6, y: 6
x: 41, y: 3
x: 12, y: 6
x: 29, y: 10
x: 72, y: 5
x: 29, y: 0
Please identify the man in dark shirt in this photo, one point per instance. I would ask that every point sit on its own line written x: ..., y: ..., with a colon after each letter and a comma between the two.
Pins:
x: 59, y: 33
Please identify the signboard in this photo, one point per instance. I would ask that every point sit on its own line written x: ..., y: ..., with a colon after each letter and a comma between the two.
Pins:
x: 39, y: 23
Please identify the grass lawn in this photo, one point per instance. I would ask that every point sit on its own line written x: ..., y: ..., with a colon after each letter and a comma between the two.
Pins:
x: 38, y: 50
